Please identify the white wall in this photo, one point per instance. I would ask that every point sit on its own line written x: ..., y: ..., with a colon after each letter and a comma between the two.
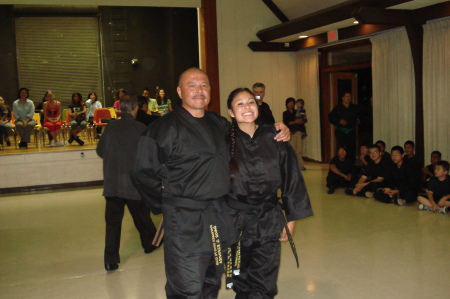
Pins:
x: 38, y: 169
x: 162, y: 3
x: 237, y: 24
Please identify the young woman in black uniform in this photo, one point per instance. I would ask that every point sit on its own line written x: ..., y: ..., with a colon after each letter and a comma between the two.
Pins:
x: 259, y: 167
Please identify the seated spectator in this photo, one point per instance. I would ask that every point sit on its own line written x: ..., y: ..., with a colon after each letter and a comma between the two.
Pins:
x: 39, y: 108
x: 378, y: 175
x: 120, y: 94
x: 5, y: 122
x: 411, y: 158
x: 142, y: 115
x: 438, y: 197
x: 428, y: 171
x: 164, y: 104
x: 363, y: 159
x: 152, y: 104
x: 340, y: 173
x: 77, y: 114
x: 405, y: 186
x: 386, y: 157
x: 23, y: 109
x: 52, y: 118
x: 92, y: 103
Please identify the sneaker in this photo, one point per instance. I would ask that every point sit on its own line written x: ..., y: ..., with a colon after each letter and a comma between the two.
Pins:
x: 349, y: 191
x: 60, y: 143
x: 52, y: 143
x: 330, y: 190
x: 400, y: 201
x: 303, y: 168
x: 71, y: 139
x: 443, y: 210
x: 80, y: 142
x: 424, y: 207
x: 369, y: 194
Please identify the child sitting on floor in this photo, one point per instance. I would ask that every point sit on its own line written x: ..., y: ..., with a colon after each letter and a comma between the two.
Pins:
x: 438, y: 190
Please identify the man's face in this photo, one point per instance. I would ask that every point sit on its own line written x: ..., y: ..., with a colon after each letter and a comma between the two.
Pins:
x: 347, y: 99
x: 261, y: 92
x: 194, y: 91
x: 146, y: 93
x: 439, y: 171
x: 382, y: 148
x: 375, y: 154
x: 342, y: 153
x: 409, y: 149
x: 396, y: 156
x: 435, y: 158
x: 364, y: 150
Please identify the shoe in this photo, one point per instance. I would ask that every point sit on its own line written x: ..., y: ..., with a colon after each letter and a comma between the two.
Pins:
x: 71, y: 139
x: 303, y: 168
x: 97, y: 137
x: 424, y: 207
x: 151, y: 249
x: 8, y: 143
x: 349, y: 191
x: 60, y: 143
x: 400, y: 201
x: 330, y: 190
x: 52, y: 143
x: 369, y: 194
x: 111, y: 267
x: 80, y: 142
x: 443, y: 210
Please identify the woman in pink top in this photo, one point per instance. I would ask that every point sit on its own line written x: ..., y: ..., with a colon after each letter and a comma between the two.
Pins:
x: 116, y: 105
x: 52, y: 118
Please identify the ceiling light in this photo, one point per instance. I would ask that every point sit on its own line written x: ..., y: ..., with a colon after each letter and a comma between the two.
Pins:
x: 355, y: 22
x: 303, y: 36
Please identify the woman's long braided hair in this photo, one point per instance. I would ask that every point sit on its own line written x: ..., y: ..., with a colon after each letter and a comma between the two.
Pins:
x: 234, y: 167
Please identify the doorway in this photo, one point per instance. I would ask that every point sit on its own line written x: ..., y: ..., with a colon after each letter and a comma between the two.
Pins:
x: 345, y: 68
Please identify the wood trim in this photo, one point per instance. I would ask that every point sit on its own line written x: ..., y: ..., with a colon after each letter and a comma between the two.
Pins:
x: 276, y: 10
x: 211, y: 51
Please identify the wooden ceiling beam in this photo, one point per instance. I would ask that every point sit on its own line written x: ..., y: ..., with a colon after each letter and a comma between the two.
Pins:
x: 374, y: 15
x: 276, y: 10
x: 321, y: 18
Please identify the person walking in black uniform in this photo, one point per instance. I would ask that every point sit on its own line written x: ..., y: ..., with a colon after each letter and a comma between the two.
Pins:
x: 117, y: 147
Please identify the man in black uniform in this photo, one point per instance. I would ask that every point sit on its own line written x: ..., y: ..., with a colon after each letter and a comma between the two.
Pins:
x: 345, y: 117
x: 182, y: 170
x: 265, y: 114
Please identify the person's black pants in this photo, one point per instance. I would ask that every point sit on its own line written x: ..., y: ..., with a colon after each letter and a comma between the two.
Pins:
x: 260, y: 261
x: 115, y: 208
x: 334, y: 181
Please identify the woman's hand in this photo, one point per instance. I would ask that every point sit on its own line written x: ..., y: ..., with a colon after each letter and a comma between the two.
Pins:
x: 284, y: 236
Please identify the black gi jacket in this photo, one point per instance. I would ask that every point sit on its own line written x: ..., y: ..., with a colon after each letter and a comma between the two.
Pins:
x: 182, y: 161
x: 265, y: 166
x: 350, y: 114
x: 265, y: 115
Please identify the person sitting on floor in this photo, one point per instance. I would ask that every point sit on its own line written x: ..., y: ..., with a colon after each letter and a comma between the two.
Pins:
x: 341, y: 169
x: 385, y: 156
x: 363, y: 159
x: 438, y: 197
x: 378, y: 175
x: 428, y: 171
x: 405, y: 183
x: 412, y: 159
x: 77, y: 114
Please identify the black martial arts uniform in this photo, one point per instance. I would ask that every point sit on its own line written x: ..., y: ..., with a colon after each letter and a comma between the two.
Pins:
x: 374, y: 171
x: 345, y: 135
x: 346, y: 167
x: 182, y: 170
x: 265, y: 115
x: 264, y: 166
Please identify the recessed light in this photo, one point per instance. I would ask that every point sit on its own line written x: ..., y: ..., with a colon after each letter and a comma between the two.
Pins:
x: 355, y: 22
x: 303, y: 36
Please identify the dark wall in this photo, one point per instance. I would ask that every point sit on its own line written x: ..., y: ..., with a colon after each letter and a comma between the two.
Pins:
x: 8, y: 62
x: 164, y: 40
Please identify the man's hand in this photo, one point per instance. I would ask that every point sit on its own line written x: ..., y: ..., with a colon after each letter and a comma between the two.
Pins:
x: 348, y: 177
x: 343, y: 122
x: 284, y: 134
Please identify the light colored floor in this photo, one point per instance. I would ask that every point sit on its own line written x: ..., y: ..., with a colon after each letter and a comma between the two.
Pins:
x: 51, y: 246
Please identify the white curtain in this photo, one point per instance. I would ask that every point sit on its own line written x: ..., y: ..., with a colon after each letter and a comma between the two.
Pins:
x: 393, y: 89
x: 308, y: 89
x: 436, y: 91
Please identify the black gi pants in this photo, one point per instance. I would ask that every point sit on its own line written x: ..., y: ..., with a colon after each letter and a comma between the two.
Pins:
x: 260, y: 261
x: 115, y: 207
x: 334, y: 181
